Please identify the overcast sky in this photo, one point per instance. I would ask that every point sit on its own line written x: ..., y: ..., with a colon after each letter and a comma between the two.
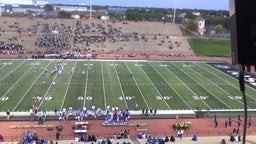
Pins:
x: 192, y: 4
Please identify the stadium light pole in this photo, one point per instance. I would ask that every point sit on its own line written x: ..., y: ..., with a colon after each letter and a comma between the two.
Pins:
x: 174, y: 12
x: 90, y: 9
x: 0, y: 8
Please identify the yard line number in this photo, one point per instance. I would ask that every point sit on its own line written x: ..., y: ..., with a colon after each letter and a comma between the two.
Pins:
x: 163, y: 97
x: 235, y: 97
x: 81, y: 98
x: 200, y: 97
x: 4, y: 98
x: 126, y: 98
x: 7, y: 63
x: 34, y: 64
x: 39, y: 98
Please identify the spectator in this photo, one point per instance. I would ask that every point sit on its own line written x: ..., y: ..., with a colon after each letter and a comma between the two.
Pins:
x: 239, y: 138
x: 180, y: 133
x: 226, y: 123
x: 166, y: 139
x: 8, y: 113
x: 229, y: 122
x: 57, y: 135
x: 172, y: 139
x: 223, y: 141
x: 1, y: 138
x: 139, y: 136
x: 237, y: 131
x: 216, y: 123
x: 234, y: 130
x: 93, y: 138
x: 232, y: 138
x: 250, y: 122
x: 194, y: 137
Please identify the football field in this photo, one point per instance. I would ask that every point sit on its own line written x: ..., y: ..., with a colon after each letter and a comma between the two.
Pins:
x: 165, y: 85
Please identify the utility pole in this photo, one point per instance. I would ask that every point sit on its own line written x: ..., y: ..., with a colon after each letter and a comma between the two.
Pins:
x: 174, y: 12
x: 91, y: 10
x: 0, y: 8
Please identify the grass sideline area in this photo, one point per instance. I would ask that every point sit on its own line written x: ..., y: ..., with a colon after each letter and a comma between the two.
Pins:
x: 211, y: 47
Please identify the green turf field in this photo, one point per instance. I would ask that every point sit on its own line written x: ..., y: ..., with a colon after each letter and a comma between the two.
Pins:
x: 211, y: 47
x: 80, y: 83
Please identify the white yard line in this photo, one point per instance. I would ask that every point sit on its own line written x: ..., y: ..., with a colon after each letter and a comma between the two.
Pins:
x: 155, y: 88
x: 16, y: 82
x: 67, y: 88
x: 120, y: 86
x: 29, y: 88
x: 137, y: 86
x: 171, y: 87
x: 86, y: 83
x: 12, y: 70
x: 188, y: 87
x: 203, y: 87
x: 103, y: 86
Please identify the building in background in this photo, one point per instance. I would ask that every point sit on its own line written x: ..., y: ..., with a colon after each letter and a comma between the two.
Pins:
x: 22, y: 6
x: 70, y: 8
x: 201, y: 25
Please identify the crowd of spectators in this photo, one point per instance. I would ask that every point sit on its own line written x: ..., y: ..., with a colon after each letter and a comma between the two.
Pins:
x: 32, y: 137
x: 108, y: 140
x: 117, y: 117
x: 97, y: 33
x: 80, y: 114
x: 122, y: 134
x: 9, y: 48
x: 155, y: 140
x: 55, y: 38
x: 86, y: 138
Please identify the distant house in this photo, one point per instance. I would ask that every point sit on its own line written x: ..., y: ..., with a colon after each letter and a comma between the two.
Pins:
x: 196, y: 13
x: 182, y: 15
x: 52, y: 14
x: 104, y: 17
x: 88, y: 16
x: 210, y: 29
x: 75, y: 16
x: 201, y: 25
x: 121, y: 10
